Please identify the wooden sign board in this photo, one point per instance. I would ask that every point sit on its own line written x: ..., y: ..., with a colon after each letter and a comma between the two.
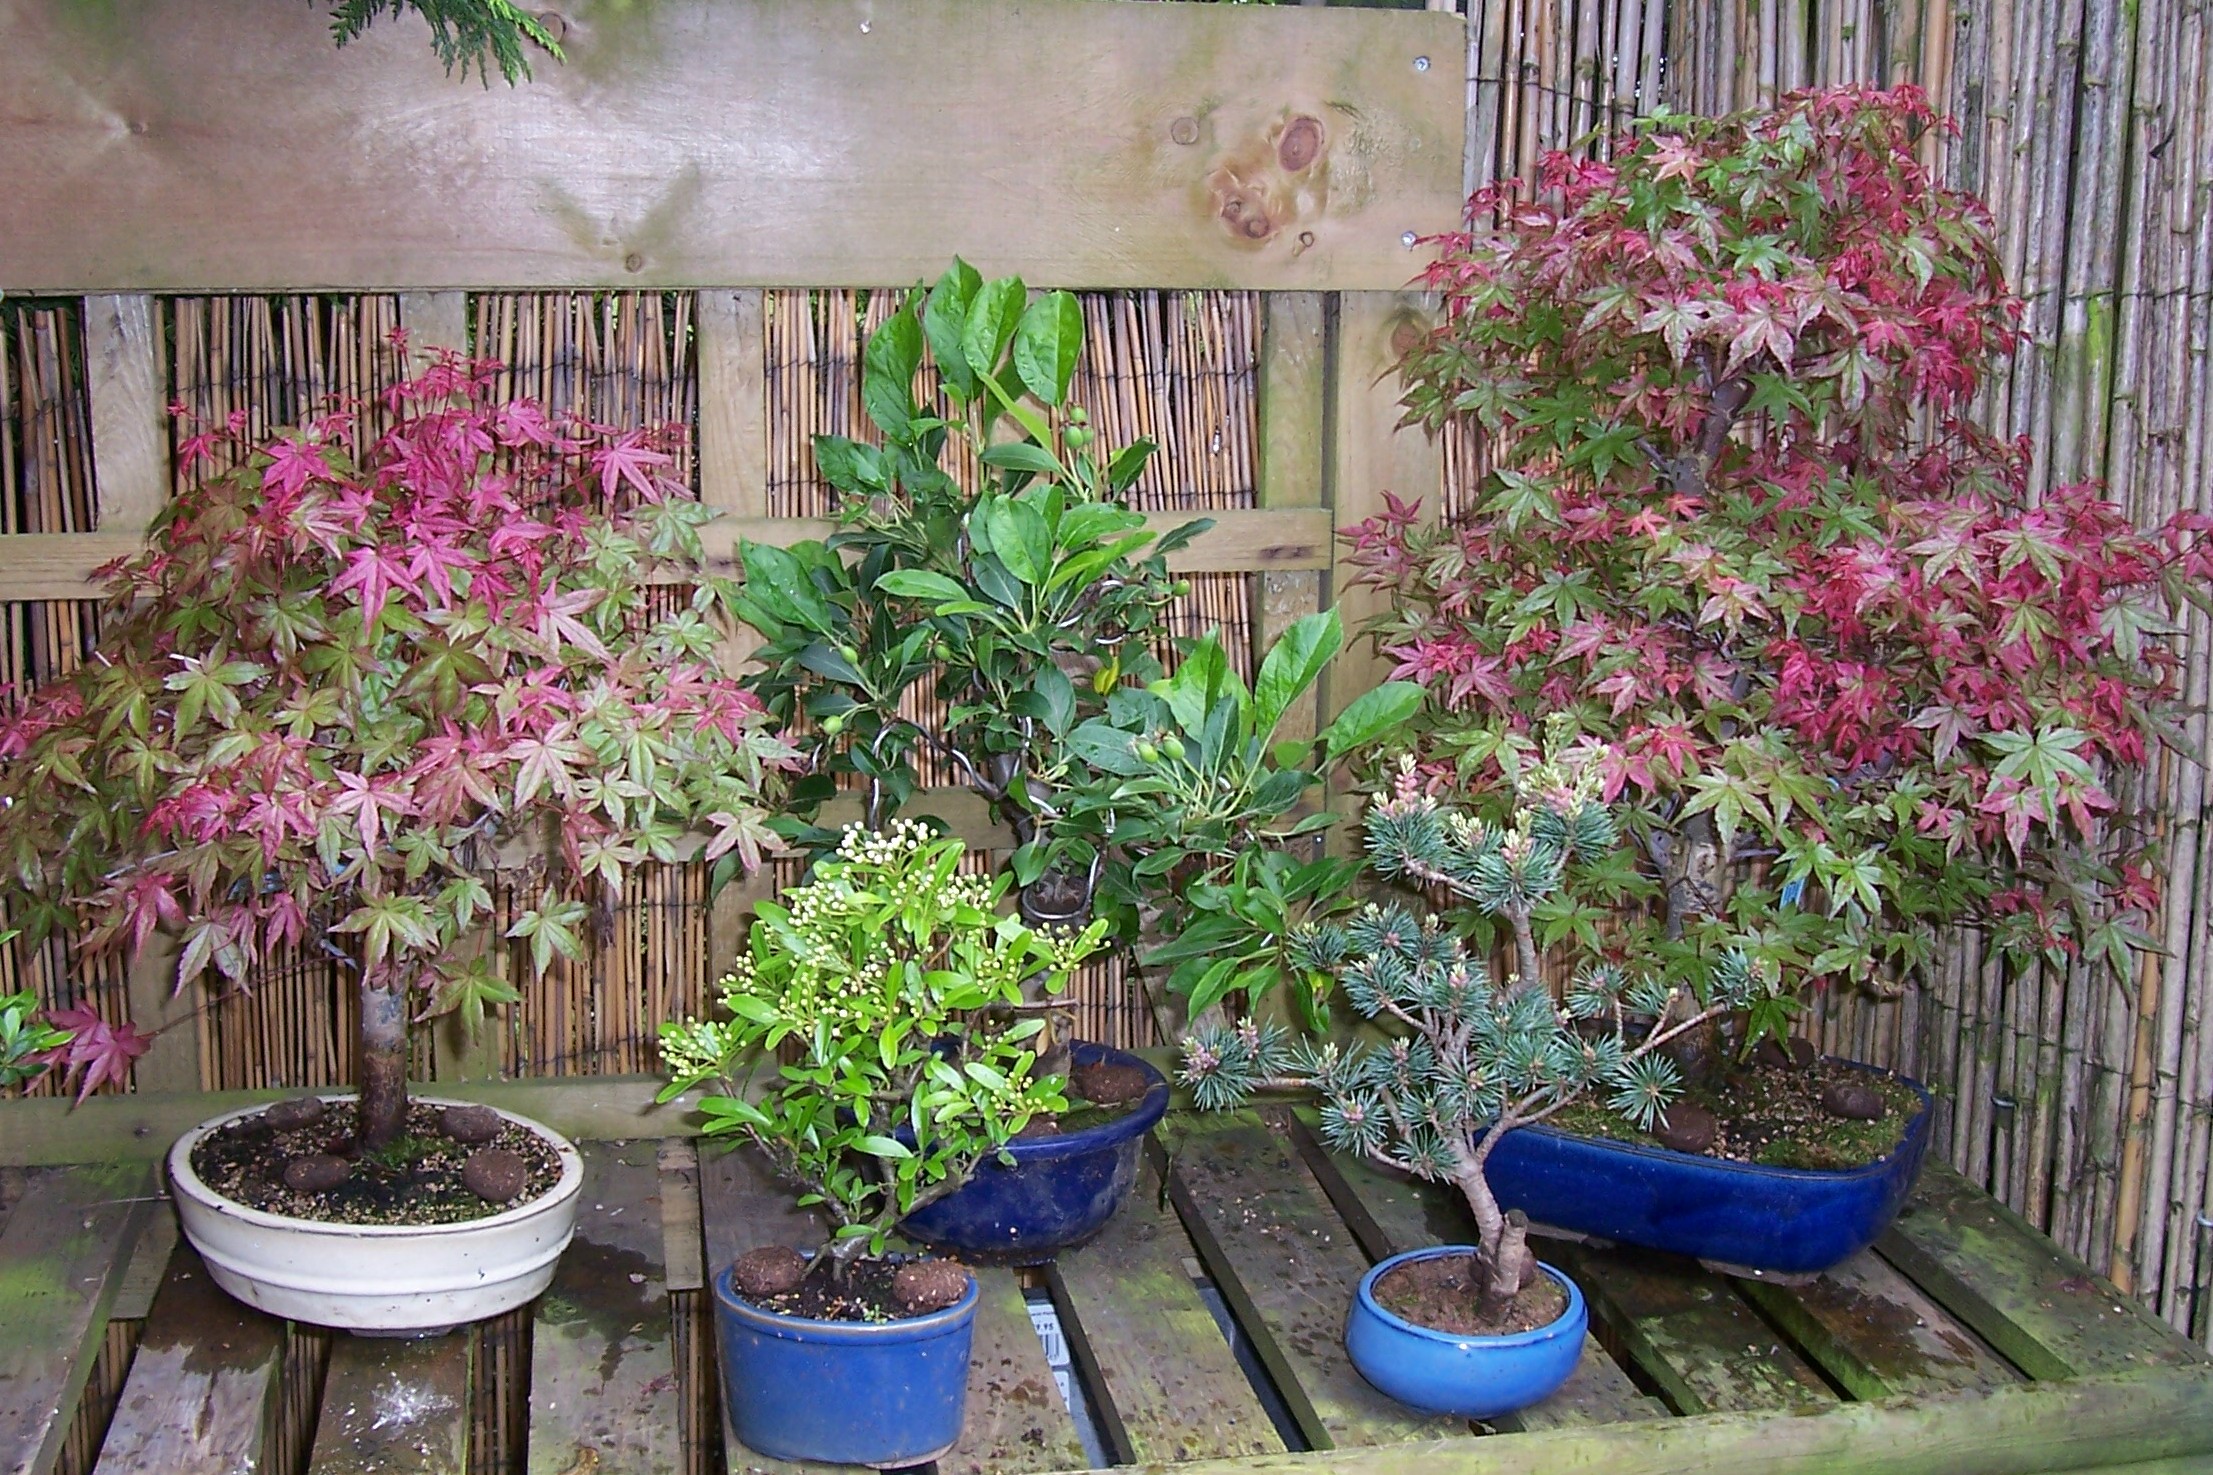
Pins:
x: 200, y: 145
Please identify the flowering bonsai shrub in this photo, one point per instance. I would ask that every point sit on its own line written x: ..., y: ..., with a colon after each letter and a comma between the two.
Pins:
x: 898, y: 988
x: 1851, y: 678
x: 1465, y: 1061
x: 356, y: 682
x: 1019, y: 604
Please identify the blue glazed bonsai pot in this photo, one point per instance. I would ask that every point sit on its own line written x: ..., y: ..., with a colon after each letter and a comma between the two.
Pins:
x: 1789, y: 1221
x: 1061, y: 1189
x: 1472, y: 1377
x: 844, y: 1392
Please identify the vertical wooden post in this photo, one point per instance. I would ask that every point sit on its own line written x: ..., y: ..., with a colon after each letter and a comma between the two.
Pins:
x: 733, y: 479
x: 130, y: 463
x: 1293, y: 404
x: 1370, y: 454
x: 435, y: 320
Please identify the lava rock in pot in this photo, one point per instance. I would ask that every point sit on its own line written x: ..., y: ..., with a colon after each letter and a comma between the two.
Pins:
x: 1107, y: 1084
x: 315, y: 1172
x: 1854, y: 1102
x: 770, y: 1270
x: 1686, y: 1128
x: 495, y: 1175
x: 472, y: 1126
x: 300, y: 1111
x: 928, y: 1285
x: 1799, y: 1053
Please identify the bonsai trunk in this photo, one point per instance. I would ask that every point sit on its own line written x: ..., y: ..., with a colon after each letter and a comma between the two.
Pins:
x: 383, y: 1065
x: 1505, y: 1264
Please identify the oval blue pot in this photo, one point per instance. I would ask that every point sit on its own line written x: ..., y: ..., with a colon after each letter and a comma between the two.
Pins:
x: 1473, y: 1377
x: 1790, y: 1221
x: 844, y: 1392
x: 1060, y: 1190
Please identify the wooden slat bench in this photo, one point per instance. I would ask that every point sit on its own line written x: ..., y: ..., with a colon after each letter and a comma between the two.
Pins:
x: 1964, y: 1341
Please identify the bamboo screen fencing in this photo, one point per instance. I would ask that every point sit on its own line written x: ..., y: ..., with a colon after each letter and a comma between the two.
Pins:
x: 2087, y: 125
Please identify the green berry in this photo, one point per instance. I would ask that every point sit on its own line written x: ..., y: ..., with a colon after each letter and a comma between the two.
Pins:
x: 833, y: 724
x: 1146, y: 752
x: 1172, y: 746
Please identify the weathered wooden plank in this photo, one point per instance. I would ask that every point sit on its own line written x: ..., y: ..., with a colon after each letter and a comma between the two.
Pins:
x: 142, y: 1277
x: 1373, y: 454
x: 602, y: 1370
x: 63, y: 1254
x: 2034, y: 1302
x: 1391, y: 1212
x: 1292, y: 390
x: 1288, y: 1267
x: 1874, y: 1332
x: 203, y: 1389
x: 692, y: 144
x: 434, y: 321
x: 1701, y: 1346
x: 60, y: 565
x: 2163, y: 1414
x: 394, y: 1406
x: 1015, y: 1421
x: 1173, y: 1388
x: 683, y: 1255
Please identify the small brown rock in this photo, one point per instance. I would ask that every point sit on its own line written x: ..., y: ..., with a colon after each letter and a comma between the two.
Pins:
x: 1854, y: 1102
x: 473, y: 1126
x: 1104, y: 1083
x: 928, y: 1285
x: 315, y: 1172
x: 300, y: 1111
x: 1769, y: 1052
x: 495, y: 1174
x: 770, y: 1270
x: 1687, y: 1128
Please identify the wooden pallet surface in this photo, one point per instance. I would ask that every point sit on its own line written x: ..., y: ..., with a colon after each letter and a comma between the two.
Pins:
x: 68, y: 1238
x: 202, y: 1393
x: 394, y: 1406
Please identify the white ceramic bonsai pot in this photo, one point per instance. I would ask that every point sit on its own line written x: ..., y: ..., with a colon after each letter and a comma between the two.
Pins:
x: 378, y: 1279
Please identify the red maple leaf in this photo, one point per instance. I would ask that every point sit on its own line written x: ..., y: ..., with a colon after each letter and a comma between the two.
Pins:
x: 98, y: 1053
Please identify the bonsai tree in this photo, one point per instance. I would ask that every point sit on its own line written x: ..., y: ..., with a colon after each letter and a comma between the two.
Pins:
x: 1201, y: 810
x: 1020, y: 601
x: 358, y: 681
x: 891, y: 988
x: 1466, y: 1061
x: 1852, y: 678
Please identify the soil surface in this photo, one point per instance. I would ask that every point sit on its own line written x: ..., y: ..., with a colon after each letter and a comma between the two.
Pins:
x: 1772, y: 1114
x: 1439, y: 1293
x: 416, y: 1181
x: 870, y: 1292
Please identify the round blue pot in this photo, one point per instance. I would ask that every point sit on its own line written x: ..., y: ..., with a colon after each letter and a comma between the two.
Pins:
x: 1470, y: 1377
x: 844, y: 1392
x: 1790, y: 1221
x: 1060, y: 1189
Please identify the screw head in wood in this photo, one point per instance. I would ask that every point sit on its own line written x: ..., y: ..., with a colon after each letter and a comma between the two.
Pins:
x: 1184, y: 130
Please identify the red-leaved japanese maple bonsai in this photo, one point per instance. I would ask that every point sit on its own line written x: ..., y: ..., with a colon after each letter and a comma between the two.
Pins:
x: 360, y: 679
x: 1855, y: 676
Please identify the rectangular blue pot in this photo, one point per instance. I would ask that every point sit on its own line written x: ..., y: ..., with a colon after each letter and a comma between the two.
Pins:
x: 1789, y: 1221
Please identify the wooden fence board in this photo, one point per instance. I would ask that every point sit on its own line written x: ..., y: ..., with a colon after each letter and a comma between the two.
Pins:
x: 1287, y: 1266
x: 2031, y: 1300
x: 67, y: 1242
x: 394, y: 1406
x: 1174, y: 1390
x: 203, y: 1391
x: 602, y: 1373
x: 834, y: 142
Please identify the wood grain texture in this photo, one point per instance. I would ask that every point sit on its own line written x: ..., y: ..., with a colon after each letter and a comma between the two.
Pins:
x: 67, y: 1242
x: 1293, y: 394
x: 394, y: 1406
x: 130, y: 431
x: 1015, y: 1421
x: 203, y: 1389
x: 1173, y: 1389
x: 603, y: 1390
x: 2028, y: 1298
x: 691, y: 144
x: 1877, y: 1334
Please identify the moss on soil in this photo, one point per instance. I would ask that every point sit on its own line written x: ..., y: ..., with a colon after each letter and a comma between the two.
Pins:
x: 1772, y: 1115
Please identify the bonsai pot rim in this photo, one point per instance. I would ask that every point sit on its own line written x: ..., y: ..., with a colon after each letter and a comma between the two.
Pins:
x: 818, y: 1329
x: 398, y: 1279
x: 1439, y: 1362
x: 1136, y: 1122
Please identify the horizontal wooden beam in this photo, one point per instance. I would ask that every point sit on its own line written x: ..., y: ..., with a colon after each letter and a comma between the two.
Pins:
x: 2163, y: 1415
x: 185, y: 147
x: 60, y: 565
